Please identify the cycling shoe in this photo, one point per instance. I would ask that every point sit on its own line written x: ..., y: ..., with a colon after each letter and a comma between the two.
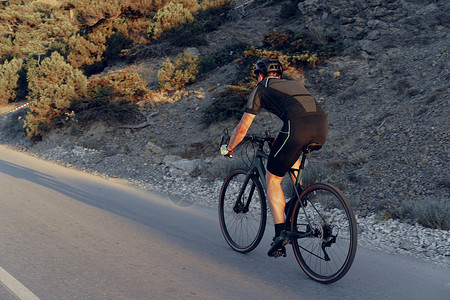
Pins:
x: 277, y: 248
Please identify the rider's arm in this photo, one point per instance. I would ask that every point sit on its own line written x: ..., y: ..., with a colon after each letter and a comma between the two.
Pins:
x: 241, y: 130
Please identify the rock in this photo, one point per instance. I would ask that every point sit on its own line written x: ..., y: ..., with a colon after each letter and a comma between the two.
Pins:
x: 185, y: 165
x: 91, y: 143
x: 406, y: 245
x: 153, y: 148
x: 192, y: 51
x: 168, y: 159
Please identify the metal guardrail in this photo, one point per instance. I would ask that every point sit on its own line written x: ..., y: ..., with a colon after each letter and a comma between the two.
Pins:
x: 17, y: 108
x: 241, y: 7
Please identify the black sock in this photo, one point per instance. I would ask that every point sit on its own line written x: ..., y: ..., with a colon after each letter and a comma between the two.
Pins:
x: 279, y: 228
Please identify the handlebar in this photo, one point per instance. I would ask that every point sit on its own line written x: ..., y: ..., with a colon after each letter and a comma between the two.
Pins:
x: 260, y: 140
x: 256, y: 139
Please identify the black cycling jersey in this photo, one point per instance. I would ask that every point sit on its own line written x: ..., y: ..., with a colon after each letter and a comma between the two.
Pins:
x: 288, y: 99
x: 304, y: 120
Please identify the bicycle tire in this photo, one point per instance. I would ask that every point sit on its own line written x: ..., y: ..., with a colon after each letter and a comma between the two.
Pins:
x: 242, y: 229
x: 326, y: 255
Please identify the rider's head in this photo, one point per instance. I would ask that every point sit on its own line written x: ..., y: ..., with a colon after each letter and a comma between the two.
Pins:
x: 268, y: 67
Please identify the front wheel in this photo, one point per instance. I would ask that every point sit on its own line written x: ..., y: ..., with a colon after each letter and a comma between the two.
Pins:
x: 327, y: 253
x: 242, y: 211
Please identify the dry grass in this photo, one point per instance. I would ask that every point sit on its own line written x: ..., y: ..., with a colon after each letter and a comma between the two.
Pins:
x: 51, y: 2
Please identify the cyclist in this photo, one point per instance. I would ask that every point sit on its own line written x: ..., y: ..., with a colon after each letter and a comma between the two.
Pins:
x: 304, y: 122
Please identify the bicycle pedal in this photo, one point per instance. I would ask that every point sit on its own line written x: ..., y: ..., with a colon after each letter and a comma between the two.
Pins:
x: 279, y: 253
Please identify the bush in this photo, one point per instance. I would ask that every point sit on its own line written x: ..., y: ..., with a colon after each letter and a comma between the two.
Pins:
x: 9, y: 80
x: 190, y: 5
x: 168, y: 17
x: 176, y: 75
x: 191, y: 34
x: 82, y: 53
x: 89, y: 13
x: 53, y: 86
x: 229, y: 104
x: 432, y: 212
x: 122, y: 86
x: 143, y: 6
x: 31, y: 28
x: 112, y: 98
x: 115, y: 43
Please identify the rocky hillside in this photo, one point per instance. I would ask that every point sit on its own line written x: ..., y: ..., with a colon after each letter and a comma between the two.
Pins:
x: 387, y: 97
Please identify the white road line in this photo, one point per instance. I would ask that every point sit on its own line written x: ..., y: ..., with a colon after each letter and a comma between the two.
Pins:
x: 16, y: 287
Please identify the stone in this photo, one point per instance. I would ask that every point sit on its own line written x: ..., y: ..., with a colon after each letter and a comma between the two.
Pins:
x: 185, y: 165
x: 153, y: 148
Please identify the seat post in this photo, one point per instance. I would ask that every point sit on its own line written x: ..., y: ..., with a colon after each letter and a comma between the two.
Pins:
x: 302, y: 163
x: 300, y: 169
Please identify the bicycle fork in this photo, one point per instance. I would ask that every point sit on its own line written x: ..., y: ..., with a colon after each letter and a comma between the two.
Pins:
x: 240, y: 206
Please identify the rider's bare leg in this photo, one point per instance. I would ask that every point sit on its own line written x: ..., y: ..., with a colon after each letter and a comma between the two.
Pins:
x: 275, y: 197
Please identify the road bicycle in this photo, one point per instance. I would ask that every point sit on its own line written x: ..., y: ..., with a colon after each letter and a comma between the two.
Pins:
x: 320, y: 222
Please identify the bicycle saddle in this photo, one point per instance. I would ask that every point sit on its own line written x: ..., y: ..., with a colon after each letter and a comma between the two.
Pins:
x: 312, y: 147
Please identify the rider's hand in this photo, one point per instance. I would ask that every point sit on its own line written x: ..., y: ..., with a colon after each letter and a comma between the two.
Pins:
x: 224, y: 151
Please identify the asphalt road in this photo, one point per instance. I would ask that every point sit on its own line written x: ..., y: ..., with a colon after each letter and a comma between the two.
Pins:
x: 65, y: 234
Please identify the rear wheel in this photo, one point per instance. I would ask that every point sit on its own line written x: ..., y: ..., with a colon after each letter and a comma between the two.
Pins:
x: 242, y: 219
x: 328, y: 252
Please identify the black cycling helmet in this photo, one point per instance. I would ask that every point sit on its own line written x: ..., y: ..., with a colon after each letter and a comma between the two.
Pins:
x: 268, y: 65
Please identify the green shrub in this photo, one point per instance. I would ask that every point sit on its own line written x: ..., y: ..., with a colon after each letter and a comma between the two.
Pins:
x: 89, y: 13
x: 115, y: 43
x: 53, y: 86
x: 143, y: 6
x: 175, y: 75
x: 192, y: 33
x: 82, y: 53
x: 190, y: 5
x: 277, y: 40
x: 9, y: 80
x: 122, y: 86
x: 229, y: 104
x: 31, y: 27
x: 168, y: 17
x: 111, y: 98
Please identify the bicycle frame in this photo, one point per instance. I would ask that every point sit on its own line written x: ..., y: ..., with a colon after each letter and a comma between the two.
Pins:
x: 259, y: 169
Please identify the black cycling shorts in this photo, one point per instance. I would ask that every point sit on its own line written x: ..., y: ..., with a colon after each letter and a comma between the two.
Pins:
x: 289, y: 143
